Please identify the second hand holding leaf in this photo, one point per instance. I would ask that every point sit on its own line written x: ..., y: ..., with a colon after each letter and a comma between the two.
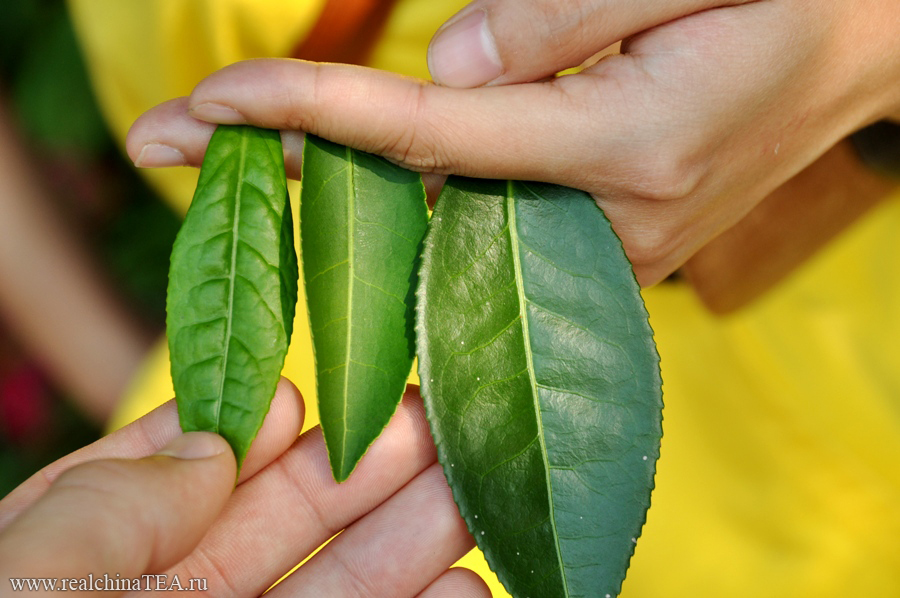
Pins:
x: 677, y: 138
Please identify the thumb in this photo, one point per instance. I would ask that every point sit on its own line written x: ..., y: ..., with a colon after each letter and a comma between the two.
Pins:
x: 514, y: 41
x: 119, y: 516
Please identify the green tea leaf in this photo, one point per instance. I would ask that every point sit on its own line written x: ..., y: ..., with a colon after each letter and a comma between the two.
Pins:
x: 362, y: 220
x: 541, y: 383
x: 233, y: 287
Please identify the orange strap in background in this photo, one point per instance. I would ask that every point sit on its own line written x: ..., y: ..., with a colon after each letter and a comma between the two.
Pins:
x: 345, y: 32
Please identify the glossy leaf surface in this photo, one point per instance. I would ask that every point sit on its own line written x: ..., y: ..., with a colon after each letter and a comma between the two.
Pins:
x: 541, y: 382
x: 362, y: 220
x: 233, y: 287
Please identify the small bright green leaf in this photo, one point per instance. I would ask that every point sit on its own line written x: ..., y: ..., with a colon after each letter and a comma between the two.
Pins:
x: 541, y: 383
x: 362, y: 220
x: 233, y: 287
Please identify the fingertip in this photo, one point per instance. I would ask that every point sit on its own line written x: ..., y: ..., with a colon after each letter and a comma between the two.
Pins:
x: 457, y: 582
x: 167, y: 135
x: 145, y: 128
x: 463, y: 53
x: 412, y: 405
x: 289, y: 404
x: 213, y: 112
x: 195, y: 445
x: 279, y: 430
x: 412, y: 418
x: 156, y: 155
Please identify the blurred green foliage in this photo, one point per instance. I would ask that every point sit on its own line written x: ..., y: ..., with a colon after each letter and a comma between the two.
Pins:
x: 69, y: 431
x: 41, y: 63
x: 136, y: 247
x: 51, y: 64
x: 17, y: 20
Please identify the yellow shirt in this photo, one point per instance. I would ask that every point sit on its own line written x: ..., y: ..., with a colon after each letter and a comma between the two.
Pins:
x: 779, y: 472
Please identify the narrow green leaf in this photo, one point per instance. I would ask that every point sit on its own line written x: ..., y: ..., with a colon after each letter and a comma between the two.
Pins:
x: 541, y: 383
x: 233, y: 287
x: 362, y: 220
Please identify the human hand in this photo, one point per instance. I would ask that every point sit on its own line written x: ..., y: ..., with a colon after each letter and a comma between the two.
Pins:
x: 493, y: 42
x: 147, y: 500
x: 706, y: 112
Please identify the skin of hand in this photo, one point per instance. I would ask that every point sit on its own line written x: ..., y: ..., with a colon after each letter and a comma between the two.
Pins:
x: 707, y: 110
x: 148, y: 500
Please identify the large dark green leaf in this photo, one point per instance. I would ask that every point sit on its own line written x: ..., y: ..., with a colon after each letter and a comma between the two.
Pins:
x: 541, y: 382
x: 362, y: 220
x: 233, y: 287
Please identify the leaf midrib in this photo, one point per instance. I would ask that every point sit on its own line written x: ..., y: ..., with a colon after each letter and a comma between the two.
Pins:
x: 232, y: 275
x: 351, y: 218
x: 529, y: 358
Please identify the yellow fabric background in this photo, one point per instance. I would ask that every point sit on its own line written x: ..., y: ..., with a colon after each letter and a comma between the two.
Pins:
x: 779, y: 472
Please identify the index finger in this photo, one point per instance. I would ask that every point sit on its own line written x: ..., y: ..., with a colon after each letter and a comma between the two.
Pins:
x: 424, y: 127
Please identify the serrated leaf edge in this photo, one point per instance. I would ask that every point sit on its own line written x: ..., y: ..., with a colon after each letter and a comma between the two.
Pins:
x: 425, y: 380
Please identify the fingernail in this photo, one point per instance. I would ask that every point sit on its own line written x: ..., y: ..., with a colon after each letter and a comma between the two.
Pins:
x: 217, y: 113
x: 194, y: 445
x: 464, y: 54
x: 155, y: 155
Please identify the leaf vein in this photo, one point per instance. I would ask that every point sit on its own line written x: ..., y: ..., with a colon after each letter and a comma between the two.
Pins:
x: 388, y: 229
x: 312, y: 202
x: 378, y: 288
x: 327, y: 270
